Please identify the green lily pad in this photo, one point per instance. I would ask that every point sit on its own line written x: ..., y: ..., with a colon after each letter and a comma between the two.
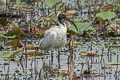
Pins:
x: 2, y: 36
x: 24, y: 1
x: 15, y: 31
x: 51, y: 3
x: 8, y: 54
x: 14, y: 24
x: 117, y: 6
x: 81, y: 26
x: 106, y: 15
x: 12, y: 37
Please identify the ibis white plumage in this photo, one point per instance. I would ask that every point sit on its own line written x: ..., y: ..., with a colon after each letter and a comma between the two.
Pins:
x: 56, y: 36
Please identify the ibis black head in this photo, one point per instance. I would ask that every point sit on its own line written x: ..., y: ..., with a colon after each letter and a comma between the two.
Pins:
x: 62, y: 17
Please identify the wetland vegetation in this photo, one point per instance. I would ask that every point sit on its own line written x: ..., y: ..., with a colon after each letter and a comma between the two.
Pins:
x: 92, y: 53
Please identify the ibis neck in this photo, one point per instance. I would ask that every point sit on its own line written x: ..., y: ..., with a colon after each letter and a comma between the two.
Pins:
x: 62, y: 24
x: 60, y: 21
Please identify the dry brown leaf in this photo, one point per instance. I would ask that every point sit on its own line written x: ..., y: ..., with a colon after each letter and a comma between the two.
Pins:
x: 92, y: 75
x: 70, y: 12
x: 16, y: 43
x: 36, y: 54
x: 28, y: 47
x: 115, y: 45
x: 112, y: 64
x: 89, y: 53
x: 108, y: 7
x: 64, y: 74
x: 77, y: 43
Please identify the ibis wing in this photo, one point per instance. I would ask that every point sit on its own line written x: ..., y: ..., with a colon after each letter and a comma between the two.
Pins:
x: 54, y: 37
x: 48, y: 40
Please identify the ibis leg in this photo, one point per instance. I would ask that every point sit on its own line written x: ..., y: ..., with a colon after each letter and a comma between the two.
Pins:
x: 51, y: 57
x: 58, y: 58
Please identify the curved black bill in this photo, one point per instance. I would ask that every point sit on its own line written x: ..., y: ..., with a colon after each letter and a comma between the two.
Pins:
x: 72, y: 23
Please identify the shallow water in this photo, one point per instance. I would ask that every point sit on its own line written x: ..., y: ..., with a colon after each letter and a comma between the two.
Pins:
x: 97, y: 64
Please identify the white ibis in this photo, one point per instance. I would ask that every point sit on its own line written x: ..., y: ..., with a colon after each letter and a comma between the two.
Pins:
x: 56, y: 36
